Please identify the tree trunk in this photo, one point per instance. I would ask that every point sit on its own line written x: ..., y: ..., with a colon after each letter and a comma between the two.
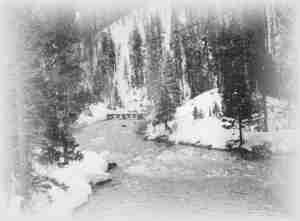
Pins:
x: 240, y: 132
x: 265, y: 110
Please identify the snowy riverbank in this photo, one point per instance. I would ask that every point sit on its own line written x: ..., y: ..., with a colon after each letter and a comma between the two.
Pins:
x: 208, y: 129
x: 75, y: 184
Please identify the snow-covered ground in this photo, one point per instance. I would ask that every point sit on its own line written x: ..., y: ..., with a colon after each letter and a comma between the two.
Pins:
x: 77, y: 177
x: 208, y: 130
x: 96, y: 112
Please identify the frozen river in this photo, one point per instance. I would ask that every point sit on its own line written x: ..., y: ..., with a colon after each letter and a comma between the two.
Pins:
x: 157, y: 182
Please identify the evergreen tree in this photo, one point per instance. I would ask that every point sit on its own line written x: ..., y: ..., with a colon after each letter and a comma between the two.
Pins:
x: 195, y: 113
x: 165, y: 108
x: 176, y: 50
x: 137, y: 58
x: 170, y: 80
x: 237, y: 95
x: 169, y: 93
x: 106, y: 67
x: 154, y: 56
x: 197, y: 52
x: 61, y: 87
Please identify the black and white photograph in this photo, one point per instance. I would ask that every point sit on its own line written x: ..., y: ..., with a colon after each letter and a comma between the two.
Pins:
x: 149, y: 110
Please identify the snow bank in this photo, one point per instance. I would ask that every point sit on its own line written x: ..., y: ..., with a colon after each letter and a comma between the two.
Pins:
x: 208, y: 130
x: 77, y: 177
x: 205, y: 102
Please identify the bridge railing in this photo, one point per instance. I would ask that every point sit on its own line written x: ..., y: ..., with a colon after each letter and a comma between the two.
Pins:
x: 125, y: 116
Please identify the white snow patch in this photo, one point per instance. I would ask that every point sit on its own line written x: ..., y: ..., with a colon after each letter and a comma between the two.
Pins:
x: 204, y: 102
x: 207, y: 131
x: 95, y: 113
x: 78, y: 177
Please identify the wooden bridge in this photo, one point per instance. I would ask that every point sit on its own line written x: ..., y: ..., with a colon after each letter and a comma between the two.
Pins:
x: 125, y: 116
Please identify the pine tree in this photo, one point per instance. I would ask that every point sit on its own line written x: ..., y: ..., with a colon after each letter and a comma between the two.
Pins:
x: 137, y: 58
x: 237, y: 95
x: 169, y: 93
x: 165, y: 108
x: 106, y: 67
x: 154, y: 56
x: 195, y: 113
x: 54, y: 90
x: 170, y: 80
x: 176, y: 47
x: 197, y: 52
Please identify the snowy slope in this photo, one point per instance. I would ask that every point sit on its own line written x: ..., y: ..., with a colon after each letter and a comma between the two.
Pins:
x: 204, y: 102
x: 209, y: 131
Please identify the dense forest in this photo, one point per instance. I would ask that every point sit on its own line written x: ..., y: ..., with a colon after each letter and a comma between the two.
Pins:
x: 198, y: 50
x: 67, y: 59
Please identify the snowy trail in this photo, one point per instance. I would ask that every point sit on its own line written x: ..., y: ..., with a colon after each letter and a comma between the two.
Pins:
x: 158, y: 182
